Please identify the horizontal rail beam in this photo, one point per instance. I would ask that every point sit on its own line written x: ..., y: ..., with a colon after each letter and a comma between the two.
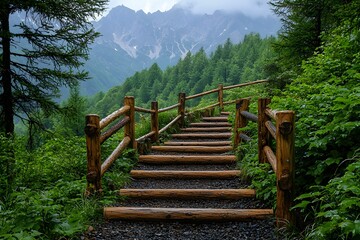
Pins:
x: 170, y: 124
x: 115, y: 154
x: 143, y: 110
x: 207, y: 107
x: 114, y: 129
x: 270, y: 157
x: 202, y: 94
x: 169, y: 108
x: 107, y: 120
x: 145, y: 136
x: 271, y: 113
x: 252, y: 117
x: 245, y: 84
x: 229, y: 102
x: 272, y: 129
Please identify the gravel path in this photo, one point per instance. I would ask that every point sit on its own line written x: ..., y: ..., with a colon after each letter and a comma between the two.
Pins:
x: 253, y: 229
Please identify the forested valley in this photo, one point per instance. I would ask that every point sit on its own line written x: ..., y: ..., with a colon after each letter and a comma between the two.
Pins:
x: 313, y: 67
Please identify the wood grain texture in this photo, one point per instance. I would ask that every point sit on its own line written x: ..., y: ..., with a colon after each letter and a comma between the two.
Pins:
x: 194, y: 159
x: 193, y: 149
x: 160, y: 174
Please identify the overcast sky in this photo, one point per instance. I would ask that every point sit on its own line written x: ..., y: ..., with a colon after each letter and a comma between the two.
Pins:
x: 253, y: 8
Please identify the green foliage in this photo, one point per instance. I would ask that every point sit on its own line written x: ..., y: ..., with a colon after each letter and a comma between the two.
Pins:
x: 335, y: 206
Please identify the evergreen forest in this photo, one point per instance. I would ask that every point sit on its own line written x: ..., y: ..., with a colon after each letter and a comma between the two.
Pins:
x: 313, y: 68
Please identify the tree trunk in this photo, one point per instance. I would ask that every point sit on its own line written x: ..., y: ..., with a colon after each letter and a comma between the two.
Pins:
x: 7, y: 96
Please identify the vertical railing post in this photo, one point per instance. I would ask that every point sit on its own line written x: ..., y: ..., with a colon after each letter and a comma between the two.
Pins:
x: 181, y: 109
x: 285, y: 172
x: 221, y: 96
x: 130, y: 126
x: 240, y: 121
x: 155, y: 121
x: 263, y: 132
x: 93, y: 177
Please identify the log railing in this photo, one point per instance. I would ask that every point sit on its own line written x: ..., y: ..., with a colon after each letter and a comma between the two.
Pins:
x: 95, y: 134
x: 282, y: 161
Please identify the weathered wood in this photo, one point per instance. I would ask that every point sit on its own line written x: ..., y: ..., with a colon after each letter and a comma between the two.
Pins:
x: 205, y: 143
x: 285, y: 173
x: 143, y: 110
x: 148, y: 135
x: 215, y: 119
x: 114, y: 129
x: 92, y: 131
x: 214, y: 129
x: 181, y: 109
x: 115, y: 154
x: 271, y: 128
x: 271, y: 113
x: 155, y: 121
x: 187, y: 159
x: 246, y: 84
x: 220, y: 96
x: 250, y: 116
x: 240, y: 121
x: 271, y: 158
x: 107, y: 120
x: 193, y: 214
x: 193, y: 149
x: 244, y: 137
x: 210, y: 124
x: 185, y: 174
x: 202, y: 94
x: 234, y: 194
x: 263, y: 133
x: 225, y: 113
x: 169, y: 108
x: 202, y: 135
x: 210, y: 107
x: 175, y: 120
x: 129, y: 130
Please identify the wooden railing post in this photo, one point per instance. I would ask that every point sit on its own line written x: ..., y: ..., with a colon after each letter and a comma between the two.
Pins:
x: 221, y: 96
x: 181, y: 109
x: 93, y: 177
x: 130, y: 126
x: 155, y: 121
x: 263, y: 133
x: 285, y: 171
x: 240, y: 121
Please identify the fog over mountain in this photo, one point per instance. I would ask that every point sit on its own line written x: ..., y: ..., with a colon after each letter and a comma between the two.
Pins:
x: 132, y: 41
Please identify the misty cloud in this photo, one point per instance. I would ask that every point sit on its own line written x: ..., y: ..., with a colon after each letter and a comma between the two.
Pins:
x: 251, y: 8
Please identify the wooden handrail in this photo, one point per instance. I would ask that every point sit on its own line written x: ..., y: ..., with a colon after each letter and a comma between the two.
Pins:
x: 271, y: 128
x: 169, y: 108
x: 270, y: 157
x: 107, y: 120
x: 201, y: 94
x: 250, y: 116
x: 143, y: 110
x: 148, y: 135
x: 170, y: 124
x: 104, y: 136
x: 115, y: 154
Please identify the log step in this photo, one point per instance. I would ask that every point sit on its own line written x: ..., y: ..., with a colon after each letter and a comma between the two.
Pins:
x: 210, y: 124
x: 193, y: 149
x: 202, y: 135
x: 177, y: 159
x: 234, y: 194
x: 225, y: 113
x: 185, y: 174
x: 213, y: 129
x: 218, y: 143
x: 215, y: 119
x: 189, y: 214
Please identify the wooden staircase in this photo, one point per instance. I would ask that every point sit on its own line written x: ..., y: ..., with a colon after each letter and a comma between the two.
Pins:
x: 180, y: 170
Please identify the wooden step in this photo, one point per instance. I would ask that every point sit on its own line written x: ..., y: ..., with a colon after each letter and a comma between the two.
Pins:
x: 225, y: 113
x: 215, y: 119
x: 185, y: 174
x: 214, y: 129
x: 187, y: 159
x: 189, y: 214
x: 234, y: 194
x: 193, y: 149
x: 205, y: 143
x: 202, y: 135
x: 210, y: 124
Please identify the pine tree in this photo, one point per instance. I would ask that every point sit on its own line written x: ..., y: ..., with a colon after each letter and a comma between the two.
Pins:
x: 41, y: 53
